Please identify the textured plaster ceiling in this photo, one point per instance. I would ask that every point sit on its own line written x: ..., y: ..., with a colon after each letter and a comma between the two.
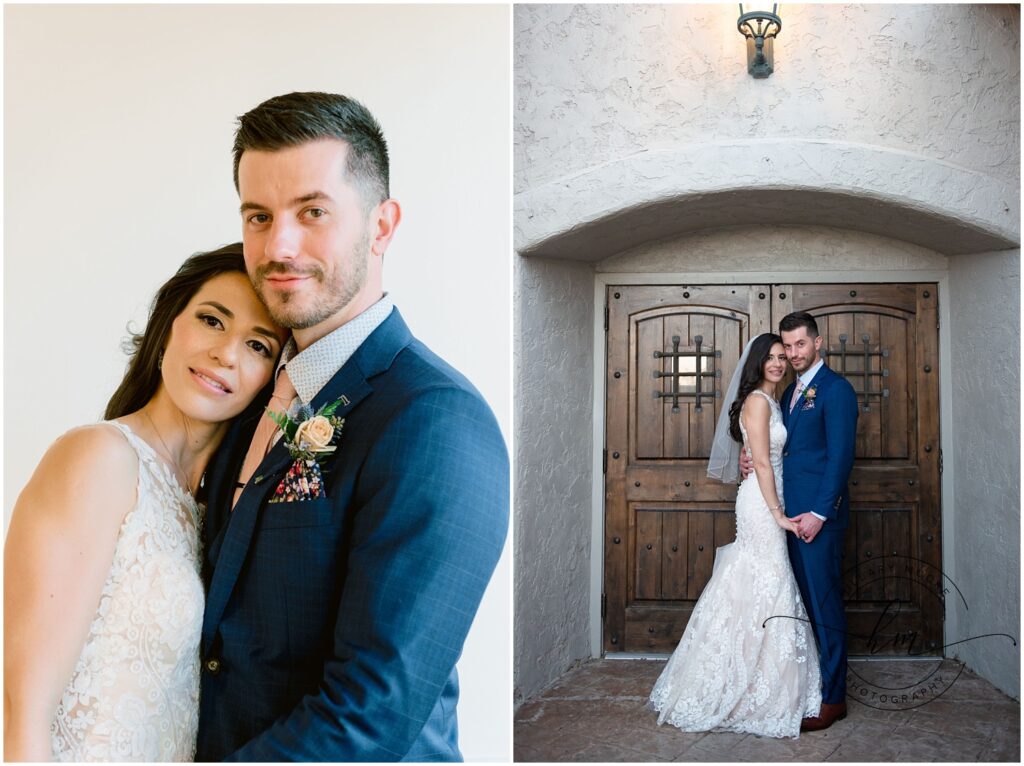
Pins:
x: 664, y: 219
x: 655, y: 195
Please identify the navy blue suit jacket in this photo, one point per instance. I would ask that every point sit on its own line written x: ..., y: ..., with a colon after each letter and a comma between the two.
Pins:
x: 819, y: 451
x: 334, y: 624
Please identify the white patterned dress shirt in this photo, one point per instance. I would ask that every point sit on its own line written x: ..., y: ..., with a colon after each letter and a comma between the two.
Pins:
x: 805, y: 379
x: 312, y: 368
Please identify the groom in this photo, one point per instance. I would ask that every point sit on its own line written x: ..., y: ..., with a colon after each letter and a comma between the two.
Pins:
x: 819, y: 411
x: 346, y: 555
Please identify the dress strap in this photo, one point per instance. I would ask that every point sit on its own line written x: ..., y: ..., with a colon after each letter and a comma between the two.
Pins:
x: 156, y: 466
x: 145, y: 453
x: 762, y: 393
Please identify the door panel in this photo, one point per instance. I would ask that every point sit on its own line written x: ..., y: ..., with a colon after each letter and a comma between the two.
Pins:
x: 671, y: 352
x: 884, y: 339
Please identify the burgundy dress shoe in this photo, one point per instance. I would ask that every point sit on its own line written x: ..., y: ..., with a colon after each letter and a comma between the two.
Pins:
x: 827, y: 716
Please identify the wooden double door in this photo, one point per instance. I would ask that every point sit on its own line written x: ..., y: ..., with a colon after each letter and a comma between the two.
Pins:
x: 671, y: 352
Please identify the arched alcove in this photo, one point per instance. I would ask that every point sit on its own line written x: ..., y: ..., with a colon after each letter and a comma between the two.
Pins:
x: 656, y: 195
x: 794, y: 231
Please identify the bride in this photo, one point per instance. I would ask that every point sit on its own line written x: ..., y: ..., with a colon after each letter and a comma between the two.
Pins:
x: 103, y: 601
x: 747, y: 661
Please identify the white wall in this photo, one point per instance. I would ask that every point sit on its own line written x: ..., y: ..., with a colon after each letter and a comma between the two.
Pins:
x: 554, y: 387
x: 596, y: 83
x: 638, y: 122
x: 118, y: 130
x: 985, y: 365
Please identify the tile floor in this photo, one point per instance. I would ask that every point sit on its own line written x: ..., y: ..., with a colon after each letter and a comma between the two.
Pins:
x: 597, y: 713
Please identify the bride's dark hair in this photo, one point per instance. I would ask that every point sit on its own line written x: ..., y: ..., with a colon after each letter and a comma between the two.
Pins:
x: 750, y: 378
x: 142, y: 378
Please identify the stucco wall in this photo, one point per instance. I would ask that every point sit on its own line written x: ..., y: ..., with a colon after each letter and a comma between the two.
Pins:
x: 985, y: 307
x: 774, y: 249
x: 553, y: 455
x: 635, y: 123
x: 596, y: 83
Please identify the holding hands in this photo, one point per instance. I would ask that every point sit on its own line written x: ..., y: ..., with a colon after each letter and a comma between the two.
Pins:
x: 809, y: 526
x: 787, y: 524
x: 805, y: 526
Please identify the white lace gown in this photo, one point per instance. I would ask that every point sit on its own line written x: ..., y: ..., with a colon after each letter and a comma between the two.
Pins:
x: 729, y: 673
x: 134, y: 695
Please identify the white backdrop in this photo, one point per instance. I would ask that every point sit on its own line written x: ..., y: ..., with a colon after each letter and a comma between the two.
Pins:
x: 118, y: 122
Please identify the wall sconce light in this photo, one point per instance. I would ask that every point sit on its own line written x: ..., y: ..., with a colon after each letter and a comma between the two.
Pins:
x: 760, y: 28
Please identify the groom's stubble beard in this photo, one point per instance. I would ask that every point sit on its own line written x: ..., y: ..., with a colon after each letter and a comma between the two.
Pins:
x: 809, y: 362
x: 817, y: 355
x: 337, y: 289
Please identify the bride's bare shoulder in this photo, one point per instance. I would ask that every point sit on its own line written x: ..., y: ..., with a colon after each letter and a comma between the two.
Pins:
x: 86, y: 466
x: 95, y: 446
x: 756, y: 403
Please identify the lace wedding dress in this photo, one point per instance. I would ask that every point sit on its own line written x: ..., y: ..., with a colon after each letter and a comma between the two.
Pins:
x: 134, y: 695
x: 729, y: 673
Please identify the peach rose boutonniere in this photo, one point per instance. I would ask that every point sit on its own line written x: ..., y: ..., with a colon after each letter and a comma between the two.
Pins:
x: 309, y: 436
x: 315, y: 434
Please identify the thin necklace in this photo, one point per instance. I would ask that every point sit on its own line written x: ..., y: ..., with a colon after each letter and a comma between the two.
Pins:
x: 168, y: 451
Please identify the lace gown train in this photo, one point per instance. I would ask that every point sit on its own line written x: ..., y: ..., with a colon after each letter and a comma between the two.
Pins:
x: 134, y: 694
x: 729, y: 673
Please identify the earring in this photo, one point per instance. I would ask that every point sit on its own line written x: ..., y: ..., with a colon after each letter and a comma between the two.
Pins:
x: 160, y: 361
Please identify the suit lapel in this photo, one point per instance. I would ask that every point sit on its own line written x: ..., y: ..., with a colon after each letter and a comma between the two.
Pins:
x: 350, y: 385
x: 784, y: 402
x: 794, y: 416
x: 223, y: 474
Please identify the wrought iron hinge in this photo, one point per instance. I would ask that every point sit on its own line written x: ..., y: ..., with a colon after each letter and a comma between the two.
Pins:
x: 604, y: 461
x: 606, y: 318
x: 940, y: 461
x: 604, y: 605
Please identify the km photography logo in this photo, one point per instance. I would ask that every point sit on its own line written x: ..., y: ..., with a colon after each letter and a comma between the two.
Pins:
x: 897, y: 632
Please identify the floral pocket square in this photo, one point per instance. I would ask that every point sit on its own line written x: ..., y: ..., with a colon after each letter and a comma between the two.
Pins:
x: 304, y: 481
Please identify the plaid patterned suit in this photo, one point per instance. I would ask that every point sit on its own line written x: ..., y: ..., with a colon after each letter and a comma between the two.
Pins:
x: 333, y: 626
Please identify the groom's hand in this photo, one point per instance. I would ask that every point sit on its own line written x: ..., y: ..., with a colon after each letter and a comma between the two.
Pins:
x: 808, y: 526
x: 746, y: 462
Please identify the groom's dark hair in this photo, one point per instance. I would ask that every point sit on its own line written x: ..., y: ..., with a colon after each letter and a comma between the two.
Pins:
x: 799, y: 319
x: 299, y: 118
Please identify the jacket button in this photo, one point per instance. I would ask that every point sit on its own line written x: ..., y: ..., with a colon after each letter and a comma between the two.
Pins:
x: 785, y: 454
x: 213, y: 666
